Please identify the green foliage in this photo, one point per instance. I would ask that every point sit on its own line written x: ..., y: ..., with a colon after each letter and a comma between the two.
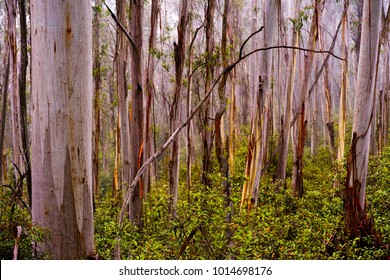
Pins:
x: 378, y: 193
x: 13, y: 212
x: 282, y: 226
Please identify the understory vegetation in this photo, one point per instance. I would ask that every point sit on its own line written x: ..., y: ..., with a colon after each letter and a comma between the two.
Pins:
x: 282, y: 226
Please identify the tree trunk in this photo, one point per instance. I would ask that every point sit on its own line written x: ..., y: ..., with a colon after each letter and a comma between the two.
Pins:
x: 286, y: 121
x: 344, y: 86
x: 357, y: 38
x: 260, y: 123
x: 150, y: 174
x: 313, y: 118
x: 22, y: 95
x: 14, y: 89
x: 190, y: 149
x: 62, y: 126
x: 219, y: 149
x: 96, y: 100
x: 175, y: 112
x: 115, y: 184
x: 384, y: 95
x: 4, y: 94
x: 123, y: 107
x: 355, y: 191
x: 297, y: 182
x: 328, y: 100
x: 233, y: 36
x: 207, y: 114
x: 136, y: 109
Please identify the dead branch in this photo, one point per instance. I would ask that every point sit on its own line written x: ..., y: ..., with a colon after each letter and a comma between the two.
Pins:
x: 121, y: 26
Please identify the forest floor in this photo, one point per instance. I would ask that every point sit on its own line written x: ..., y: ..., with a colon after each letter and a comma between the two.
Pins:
x: 282, y: 226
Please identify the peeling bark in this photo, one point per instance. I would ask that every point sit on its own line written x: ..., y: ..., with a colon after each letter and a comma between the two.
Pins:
x: 62, y: 126
x: 355, y: 190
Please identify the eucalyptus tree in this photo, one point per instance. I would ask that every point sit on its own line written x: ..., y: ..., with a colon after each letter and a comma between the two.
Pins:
x: 175, y: 112
x: 136, y: 106
x: 14, y: 87
x: 261, y: 112
x: 299, y: 143
x: 61, y: 115
x: 356, y: 185
x: 207, y: 113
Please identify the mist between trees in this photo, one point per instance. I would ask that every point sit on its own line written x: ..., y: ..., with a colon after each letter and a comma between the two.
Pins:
x: 195, y: 129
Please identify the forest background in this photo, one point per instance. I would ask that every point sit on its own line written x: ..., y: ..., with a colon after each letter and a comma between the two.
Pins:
x: 195, y: 129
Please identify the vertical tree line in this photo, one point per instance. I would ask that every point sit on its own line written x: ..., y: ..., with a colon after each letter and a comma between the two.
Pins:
x: 111, y: 86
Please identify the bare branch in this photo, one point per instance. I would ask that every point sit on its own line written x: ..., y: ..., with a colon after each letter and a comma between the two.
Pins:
x: 121, y: 26
x: 293, y: 48
x: 247, y: 39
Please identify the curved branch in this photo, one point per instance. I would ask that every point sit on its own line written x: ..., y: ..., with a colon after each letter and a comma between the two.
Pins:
x: 293, y: 48
x: 247, y: 39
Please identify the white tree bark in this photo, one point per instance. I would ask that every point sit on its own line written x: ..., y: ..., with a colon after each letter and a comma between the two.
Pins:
x: 14, y: 88
x: 365, y: 94
x: 61, y: 34
x: 344, y: 88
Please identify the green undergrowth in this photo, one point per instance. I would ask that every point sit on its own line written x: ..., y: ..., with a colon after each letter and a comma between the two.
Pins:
x: 13, y: 213
x: 282, y: 226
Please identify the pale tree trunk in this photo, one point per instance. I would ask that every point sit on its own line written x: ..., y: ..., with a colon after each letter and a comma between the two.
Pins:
x: 328, y: 97
x: 14, y: 89
x: 136, y: 109
x: 150, y: 174
x: 297, y: 182
x: 253, y: 65
x: 62, y: 126
x: 357, y: 38
x: 313, y: 118
x: 270, y: 22
x: 344, y: 85
x: 355, y: 192
x: 259, y: 136
x: 175, y: 112
x: 4, y: 95
x: 250, y: 104
x: 96, y: 100
x: 189, y: 135
x: 232, y: 34
x: 286, y: 121
x: 383, y: 125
